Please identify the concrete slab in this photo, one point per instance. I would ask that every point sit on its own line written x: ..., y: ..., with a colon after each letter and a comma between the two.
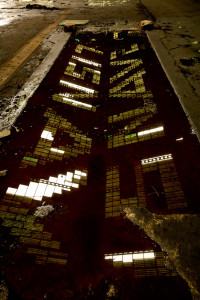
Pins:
x: 17, y: 104
x: 187, y: 97
x: 76, y: 22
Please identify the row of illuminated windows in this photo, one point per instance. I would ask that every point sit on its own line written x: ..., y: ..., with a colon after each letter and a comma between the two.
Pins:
x: 37, y: 242
x: 138, y: 81
x: 122, y: 139
x: 46, y: 188
x: 145, y: 264
x: 135, y: 63
x: 130, y: 114
x: 49, y: 153
x: 169, y: 177
x: 129, y: 94
x: 78, y: 87
x: 70, y: 71
x: 122, y: 62
x: 112, y: 192
x: 24, y: 226
x: 80, y: 47
x: 134, y: 48
x: 130, y: 256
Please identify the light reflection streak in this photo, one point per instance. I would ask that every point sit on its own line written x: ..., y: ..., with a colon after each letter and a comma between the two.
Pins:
x: 37, y: 190
x: 78, y: 87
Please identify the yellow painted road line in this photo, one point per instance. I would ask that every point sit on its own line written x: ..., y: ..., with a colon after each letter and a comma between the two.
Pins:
x: 9, y: 67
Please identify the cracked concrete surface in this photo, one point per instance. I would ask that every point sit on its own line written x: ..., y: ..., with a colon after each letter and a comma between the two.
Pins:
x: 181, y: 245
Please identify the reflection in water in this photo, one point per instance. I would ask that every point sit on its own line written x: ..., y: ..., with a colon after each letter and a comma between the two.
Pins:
x: 46, y: 188
x: 124, y: 155
x: 145, y: 264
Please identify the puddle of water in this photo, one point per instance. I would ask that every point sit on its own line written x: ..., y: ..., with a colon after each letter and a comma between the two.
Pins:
x: 104, y: 131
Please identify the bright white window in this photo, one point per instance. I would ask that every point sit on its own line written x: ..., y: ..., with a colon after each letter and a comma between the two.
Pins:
x: 31, y: 189
x: 47, y: 135
x: 127, y: 258
x: 138, y: 256
x: 74, y: 102
x: 11, y: 191
x: 75, y: 185
x: 21, y: 190
x: 49, y: 190
x: 161, y: 128
x: 40, y: 191
x: 149, y: 255
x: 52, y: 179
x: 77, y: 172
x: 78, y: 87
x: 89, y: 62
x: 57, y: 150
x: 117, y: 257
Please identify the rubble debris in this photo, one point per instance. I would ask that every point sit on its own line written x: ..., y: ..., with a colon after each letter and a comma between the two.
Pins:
x: 5, y: 133
x: 3, y: 172
x: 147, y: 25
x: 3, y: 291
x: 38, y: 6
x: 43, y: 211
x: 112, y: 292
x: 70, y: 28
x: 182, y: 245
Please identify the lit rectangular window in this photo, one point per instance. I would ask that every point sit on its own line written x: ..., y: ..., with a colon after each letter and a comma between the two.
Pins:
x: 69, y: 176
x: 161, y: 128
x: 78, y: 87
x: 86, y: 61
x: 47, y: 135
x: 31, y: 189
x: 21, y: 190
x: 127, y: 258
x: 149, y: 255
x: 11, y: 191
x: 57, y: 150
x: 49, y: 190
x: 117, y: 257
x: 40, y: 191
x: 74, y: 102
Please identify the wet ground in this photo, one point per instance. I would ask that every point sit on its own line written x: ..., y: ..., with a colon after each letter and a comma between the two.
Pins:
x: 104, y: 131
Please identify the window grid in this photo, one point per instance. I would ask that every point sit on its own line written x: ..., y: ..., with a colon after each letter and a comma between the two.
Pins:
x: 134, y: 64
x: 113, y: 55
x: 70, y: 70
x: 138, y: 82
x: 135, y: 113
x: 45, y: 151
x: 130, y: 94
x: 80, y: 47
x: 112, y: 206
x: 28, y: 230
x: 154, y: 265
x: 122, y: 139
x: 171, y: 184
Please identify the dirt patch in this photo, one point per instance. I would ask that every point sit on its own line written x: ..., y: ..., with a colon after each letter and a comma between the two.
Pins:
x: 38, y: 6
x: 190, y: 62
